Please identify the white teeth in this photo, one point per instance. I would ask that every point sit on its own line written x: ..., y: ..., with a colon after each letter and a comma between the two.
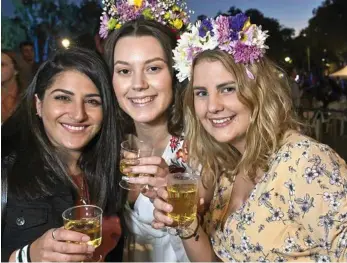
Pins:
x: 78, y: 128
x: 143, y: 100
x: 220, y: 121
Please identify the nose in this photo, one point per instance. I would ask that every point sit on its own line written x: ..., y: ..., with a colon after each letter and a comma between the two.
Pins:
x: 78, y: 112
x: 215, y: 103
x: 139, y: 81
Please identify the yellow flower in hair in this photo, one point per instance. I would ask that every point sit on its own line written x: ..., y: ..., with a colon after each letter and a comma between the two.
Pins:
x: 247, y: 24
x: 176, y: 8
x: 147, y: 13
x: 118, y: 26
x: 111, y: 24
x: 177, y: 23
x: 137, y: 3
x: 167, y: 15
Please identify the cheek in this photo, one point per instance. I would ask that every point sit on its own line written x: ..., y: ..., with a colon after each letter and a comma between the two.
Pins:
x: 200, y: 109
x: 51, y: 112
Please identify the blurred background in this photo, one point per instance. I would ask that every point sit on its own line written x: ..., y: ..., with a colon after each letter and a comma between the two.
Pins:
x: 308, y: 39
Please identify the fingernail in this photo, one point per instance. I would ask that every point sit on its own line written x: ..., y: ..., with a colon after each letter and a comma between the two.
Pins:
x: 91, y: 248
x: 127, y: 170
x: 169, y: 208
x: 85, y: 238
x: 125, y: 178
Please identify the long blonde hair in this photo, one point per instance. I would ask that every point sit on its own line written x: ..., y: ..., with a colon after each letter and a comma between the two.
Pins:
x: 269, y: 99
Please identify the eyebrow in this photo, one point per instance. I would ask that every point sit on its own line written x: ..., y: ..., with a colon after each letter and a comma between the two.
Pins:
x: 146, y: 62
x: 219, y: 86
x: 72, y: 94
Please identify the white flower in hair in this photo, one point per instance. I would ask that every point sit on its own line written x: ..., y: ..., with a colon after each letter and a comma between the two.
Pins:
x: 232, y: 34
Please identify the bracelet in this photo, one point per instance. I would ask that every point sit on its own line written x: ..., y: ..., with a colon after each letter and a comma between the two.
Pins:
x: 28, y: 253
x: 195, y: 233
x: 17, y: 255
x: 24, y: 254
x: 20, y: 259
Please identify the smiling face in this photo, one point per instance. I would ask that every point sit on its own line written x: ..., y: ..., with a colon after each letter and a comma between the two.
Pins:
x: 141, y: 78
x: 217, y: 106
x: 71, y: 111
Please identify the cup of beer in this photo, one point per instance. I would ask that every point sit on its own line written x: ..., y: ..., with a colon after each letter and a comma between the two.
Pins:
x: 131, y: 150
x: 182, y: 191
x: 86, y: 219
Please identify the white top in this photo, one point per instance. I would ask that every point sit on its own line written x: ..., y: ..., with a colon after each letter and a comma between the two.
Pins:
x: 143, y: 242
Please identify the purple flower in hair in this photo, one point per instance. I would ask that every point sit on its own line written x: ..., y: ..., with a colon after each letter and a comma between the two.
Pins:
x: 103, y: 31
x: 205, y: 27
x: 127, y: 12
x: 237, y: 22
x: 234, y: 36
x: 246, y: 54
x: 223, y: 29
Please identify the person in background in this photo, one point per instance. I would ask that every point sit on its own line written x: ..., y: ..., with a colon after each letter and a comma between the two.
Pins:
x: 60, y: 149
x: 10, y: 84
x: 139, y: 55
x: 295, y: 89
x: 280, y: 195
x: 27, y: 64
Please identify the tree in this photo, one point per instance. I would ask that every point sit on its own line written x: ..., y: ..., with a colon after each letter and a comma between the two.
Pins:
x: 327, y: 30
x: 46, y: 21
x: 11, y: 33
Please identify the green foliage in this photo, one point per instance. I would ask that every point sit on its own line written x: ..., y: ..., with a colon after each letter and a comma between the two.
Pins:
x: 11, y: 34
x: 46, y: 21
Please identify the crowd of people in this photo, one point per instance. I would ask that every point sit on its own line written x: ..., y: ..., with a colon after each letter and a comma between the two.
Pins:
x: 207, y: 99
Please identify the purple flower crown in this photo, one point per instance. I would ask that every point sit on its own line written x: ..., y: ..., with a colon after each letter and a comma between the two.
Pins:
x: 233, y: 34
x: 172, y: 13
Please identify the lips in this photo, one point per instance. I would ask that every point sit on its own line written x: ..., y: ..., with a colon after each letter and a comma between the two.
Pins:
x: 142, y: 100
x: 74, y: 127
x: 221, y: 122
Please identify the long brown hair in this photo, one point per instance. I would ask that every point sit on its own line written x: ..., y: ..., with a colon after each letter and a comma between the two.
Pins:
x: 168, y: 40
x: 272, y: 114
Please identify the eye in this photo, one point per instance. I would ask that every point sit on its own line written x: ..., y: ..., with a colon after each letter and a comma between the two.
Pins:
x: 200, y: 93
x: 123, y: 71
x: 154, y: 69
x: 63, y: 98
x: 93, y: 102
x: 227, y: 90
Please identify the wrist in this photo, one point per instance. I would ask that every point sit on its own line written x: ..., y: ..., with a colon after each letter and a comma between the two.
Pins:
x: 191, y: 231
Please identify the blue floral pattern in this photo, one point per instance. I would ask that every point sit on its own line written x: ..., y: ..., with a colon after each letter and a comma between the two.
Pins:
x: 297, y: 212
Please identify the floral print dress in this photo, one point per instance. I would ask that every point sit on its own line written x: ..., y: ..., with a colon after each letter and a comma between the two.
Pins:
x: 297, y: 212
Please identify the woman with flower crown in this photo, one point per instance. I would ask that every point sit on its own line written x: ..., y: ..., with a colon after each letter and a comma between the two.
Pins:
x: 139, y: 54
x: 279, y: 195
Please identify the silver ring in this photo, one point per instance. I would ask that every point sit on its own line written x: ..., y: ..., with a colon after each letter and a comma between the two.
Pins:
x: 53, y: 233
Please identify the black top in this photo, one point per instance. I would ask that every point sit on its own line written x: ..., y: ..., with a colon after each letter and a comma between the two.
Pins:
x: 25, y: 221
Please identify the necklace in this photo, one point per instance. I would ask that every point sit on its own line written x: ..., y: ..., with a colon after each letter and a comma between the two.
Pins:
x: 83, y: 191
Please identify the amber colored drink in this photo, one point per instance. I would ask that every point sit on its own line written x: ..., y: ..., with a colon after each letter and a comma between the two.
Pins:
x: 92, y: 228
x: 125, y: 163
x: 183, y: 198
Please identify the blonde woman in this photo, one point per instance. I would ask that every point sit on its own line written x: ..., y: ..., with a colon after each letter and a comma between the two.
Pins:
x: 280, y: 196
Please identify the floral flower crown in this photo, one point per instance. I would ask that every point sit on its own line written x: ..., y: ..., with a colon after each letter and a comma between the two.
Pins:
x: 233, y: 34
x: 172, y: 13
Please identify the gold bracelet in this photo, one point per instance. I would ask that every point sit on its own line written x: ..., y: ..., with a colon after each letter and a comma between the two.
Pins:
x: 195, y: 233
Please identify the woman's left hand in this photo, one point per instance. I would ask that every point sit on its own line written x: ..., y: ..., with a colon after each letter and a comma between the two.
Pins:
x: 152, y: 172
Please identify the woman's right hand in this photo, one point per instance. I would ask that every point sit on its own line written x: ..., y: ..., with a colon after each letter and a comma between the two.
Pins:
x: 61, y: 245
x: 161, y: 208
